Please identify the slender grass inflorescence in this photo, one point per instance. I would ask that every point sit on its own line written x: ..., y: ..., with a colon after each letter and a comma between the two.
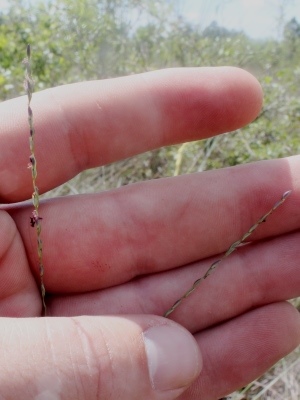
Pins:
x: 35, y: 219
x: 230, y: 250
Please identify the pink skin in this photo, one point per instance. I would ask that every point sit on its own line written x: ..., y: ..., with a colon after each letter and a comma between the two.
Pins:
x: 135, y: 250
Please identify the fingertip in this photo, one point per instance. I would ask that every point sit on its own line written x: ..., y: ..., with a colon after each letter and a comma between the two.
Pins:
x: 238, y: 96
x: 290, y: 321
x: 173, y: 356
x: 251, y: 93
x: 203, y: 102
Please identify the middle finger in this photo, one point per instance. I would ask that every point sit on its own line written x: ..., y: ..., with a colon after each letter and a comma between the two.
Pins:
x: 96, y: 241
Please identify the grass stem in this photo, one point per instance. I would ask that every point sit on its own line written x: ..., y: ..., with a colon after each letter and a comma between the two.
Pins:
x: 230, y: 250
x: 35, y: 219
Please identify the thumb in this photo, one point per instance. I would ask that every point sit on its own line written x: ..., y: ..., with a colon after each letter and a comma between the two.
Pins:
x: 131, y: 357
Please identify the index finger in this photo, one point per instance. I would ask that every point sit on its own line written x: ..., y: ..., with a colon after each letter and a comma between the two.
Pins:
x: 89, y: 124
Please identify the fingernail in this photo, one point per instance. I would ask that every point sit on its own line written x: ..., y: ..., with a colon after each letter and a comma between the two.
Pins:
x: 174, y: 359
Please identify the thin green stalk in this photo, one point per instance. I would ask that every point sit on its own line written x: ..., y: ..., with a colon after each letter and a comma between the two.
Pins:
x: 230, y: 250
x: 35, y: 219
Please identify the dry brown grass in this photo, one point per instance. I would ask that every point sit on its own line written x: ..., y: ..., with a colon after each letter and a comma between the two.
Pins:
x: 282, y: 382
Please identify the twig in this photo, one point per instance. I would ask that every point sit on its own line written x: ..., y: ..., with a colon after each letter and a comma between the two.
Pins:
x: 230, y: 250
x: 35, y: 219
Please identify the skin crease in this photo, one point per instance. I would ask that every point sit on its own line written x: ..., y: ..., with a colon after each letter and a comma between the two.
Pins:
x: 133, y: 251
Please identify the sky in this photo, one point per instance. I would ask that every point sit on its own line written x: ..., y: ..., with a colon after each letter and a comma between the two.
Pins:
x: 257, y: 18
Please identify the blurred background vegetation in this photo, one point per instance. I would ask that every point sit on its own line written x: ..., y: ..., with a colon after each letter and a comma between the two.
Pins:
x: 75, y: 40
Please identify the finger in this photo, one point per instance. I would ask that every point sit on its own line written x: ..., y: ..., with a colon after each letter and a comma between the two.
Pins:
x: 96, y: 358
x: 241, y: 350
x: 89, y: 124
x: 95, y: 241
x: 19, y: 294
x: 256, y: 275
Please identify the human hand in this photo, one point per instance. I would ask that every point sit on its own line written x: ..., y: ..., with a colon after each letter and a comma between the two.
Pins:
x: 123, y: 257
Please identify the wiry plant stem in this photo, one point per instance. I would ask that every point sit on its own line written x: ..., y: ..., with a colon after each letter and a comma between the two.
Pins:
x: 35, y: 219
x: 230, y: 250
